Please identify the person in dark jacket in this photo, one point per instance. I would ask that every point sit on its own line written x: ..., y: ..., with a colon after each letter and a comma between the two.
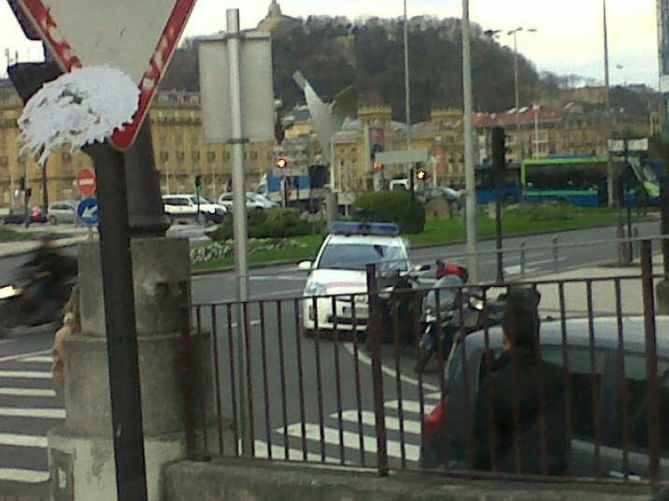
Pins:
x: 520, y: 405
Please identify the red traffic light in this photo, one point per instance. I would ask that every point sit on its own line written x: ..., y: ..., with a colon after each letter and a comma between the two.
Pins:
x: 281, y: 163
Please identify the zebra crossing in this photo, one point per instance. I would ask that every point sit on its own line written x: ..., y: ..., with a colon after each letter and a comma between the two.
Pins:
x: 351, y: 433
x: 29, y: 408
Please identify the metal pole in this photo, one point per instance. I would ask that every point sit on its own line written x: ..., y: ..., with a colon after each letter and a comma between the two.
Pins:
x: 120, y: 322
x: 470, y: 179
x: 519, y: 141
x: 239, y: 214
x: 407, y: 76
x: 536, y: 130
x: 45, y: 191
x: 610, y: 185
x: 498, y: 226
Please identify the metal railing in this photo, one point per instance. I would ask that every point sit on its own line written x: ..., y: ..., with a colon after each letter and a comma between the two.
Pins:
x: 627, y: 247
x: 332, y: 380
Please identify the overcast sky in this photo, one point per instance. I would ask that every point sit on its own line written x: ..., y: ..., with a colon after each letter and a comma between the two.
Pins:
x: 569, y: 39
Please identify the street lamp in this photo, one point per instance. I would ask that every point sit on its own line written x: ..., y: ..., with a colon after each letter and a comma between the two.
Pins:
x: 468, y: 119
x: 514, y: 33
x: 407, y: 80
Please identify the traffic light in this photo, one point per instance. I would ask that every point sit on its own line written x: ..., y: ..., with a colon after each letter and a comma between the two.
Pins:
x: 22, y: 184
x: 198, y: 182
x: 281, y: 163
x: 421, y: 173
x: 499, y: 149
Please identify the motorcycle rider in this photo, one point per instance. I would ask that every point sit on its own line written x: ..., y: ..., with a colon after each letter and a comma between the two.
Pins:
x: 521, y: 401
x: 48, y: 270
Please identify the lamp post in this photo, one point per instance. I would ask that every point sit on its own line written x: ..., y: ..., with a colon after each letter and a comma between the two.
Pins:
x: 470, y: 179
x: 610, y: 185
x: 407, y: 83
x: 516, y: 78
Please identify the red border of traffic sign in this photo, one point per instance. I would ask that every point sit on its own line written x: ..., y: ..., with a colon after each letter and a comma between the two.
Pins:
x: 66, y: 56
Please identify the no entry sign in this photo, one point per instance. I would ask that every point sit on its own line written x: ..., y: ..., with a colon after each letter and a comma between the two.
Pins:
x: 86, y: 182
x: 138, y: 37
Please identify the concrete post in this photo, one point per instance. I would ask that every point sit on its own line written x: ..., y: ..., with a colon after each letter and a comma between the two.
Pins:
x: 81, y: 452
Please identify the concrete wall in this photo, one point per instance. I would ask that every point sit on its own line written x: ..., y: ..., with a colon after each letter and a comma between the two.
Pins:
x: 236, y: 480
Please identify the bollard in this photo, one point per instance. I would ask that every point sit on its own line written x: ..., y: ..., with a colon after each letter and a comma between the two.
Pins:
x: 556, y: 256
x: 522, y: 259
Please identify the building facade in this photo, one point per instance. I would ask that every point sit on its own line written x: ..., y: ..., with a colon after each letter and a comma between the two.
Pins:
x: 182, y: 154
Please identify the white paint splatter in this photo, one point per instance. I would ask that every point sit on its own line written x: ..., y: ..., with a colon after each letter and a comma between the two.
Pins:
x: 77, y: 109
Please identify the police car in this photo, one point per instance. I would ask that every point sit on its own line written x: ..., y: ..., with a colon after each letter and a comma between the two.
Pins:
x: 337, y: 284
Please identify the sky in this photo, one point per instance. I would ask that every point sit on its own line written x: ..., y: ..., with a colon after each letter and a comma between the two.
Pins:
x: 569, y: 37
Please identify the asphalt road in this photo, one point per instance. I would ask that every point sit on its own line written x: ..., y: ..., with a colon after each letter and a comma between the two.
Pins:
x: 282, y: 362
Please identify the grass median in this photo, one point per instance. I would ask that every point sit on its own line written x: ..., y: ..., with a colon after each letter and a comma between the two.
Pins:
x: 517, y: 221
x: 7, y: 235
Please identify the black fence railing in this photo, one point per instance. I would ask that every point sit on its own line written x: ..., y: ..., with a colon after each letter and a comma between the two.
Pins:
x: 427, y: 379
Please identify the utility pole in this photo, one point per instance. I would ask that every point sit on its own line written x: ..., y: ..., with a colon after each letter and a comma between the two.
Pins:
x: 519, y: 141
x: 610, y: 174
x: 407, y: 85
x: 470, y: 179
x: 516, y: 77
x: 239, y: 214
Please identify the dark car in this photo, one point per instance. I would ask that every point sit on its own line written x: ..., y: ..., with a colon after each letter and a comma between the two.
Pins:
x: 601, y: 397
x: 17, y: 216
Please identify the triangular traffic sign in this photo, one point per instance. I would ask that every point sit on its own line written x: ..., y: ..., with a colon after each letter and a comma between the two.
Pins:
x: 137, y: 36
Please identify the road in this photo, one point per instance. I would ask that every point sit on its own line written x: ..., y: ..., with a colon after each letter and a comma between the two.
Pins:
x: 279, y: 355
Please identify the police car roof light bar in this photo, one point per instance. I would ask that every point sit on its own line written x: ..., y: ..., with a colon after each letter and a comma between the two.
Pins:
x: 358, y: 228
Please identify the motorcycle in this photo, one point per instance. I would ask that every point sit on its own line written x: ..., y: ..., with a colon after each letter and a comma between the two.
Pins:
x: 32, y: 301
x: 451, y: 311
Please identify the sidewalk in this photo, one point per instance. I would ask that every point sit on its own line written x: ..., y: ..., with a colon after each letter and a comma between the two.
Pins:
x: 603, y: 292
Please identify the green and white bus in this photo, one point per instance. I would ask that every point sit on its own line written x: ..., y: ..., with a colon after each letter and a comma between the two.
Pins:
x: 582, y: 181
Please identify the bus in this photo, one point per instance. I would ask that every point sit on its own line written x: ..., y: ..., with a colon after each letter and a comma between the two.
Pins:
x: 582, y: 181
x: 512, y: 191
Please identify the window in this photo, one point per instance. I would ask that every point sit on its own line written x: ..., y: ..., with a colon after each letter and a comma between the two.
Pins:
x: 357, y: 257
x: 195, y: 155
x: 181, y: 156
x: 211, y: 156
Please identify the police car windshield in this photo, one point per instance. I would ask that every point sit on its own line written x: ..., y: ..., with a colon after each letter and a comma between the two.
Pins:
x: 358, y: 256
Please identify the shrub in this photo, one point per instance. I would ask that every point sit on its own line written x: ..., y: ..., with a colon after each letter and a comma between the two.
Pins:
x: 276, y: 223
x: 391, y: 207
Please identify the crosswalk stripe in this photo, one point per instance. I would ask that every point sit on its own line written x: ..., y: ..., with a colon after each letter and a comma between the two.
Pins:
x: 23, y: 476
x: 26, y: 374
x: 279, y: 454
x: 411, y: 405
x: 26, y: 392
x: 32, y: 413
x: 42, y: 359
x: 352, y: 440
x: 392, y: 423
x: 15, y: 440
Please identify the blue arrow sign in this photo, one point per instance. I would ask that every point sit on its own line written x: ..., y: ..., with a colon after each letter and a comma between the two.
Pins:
x: 87, y: 210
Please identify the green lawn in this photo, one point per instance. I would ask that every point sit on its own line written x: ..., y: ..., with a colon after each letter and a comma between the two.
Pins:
x: 518, y: 221
x: 7, y: 235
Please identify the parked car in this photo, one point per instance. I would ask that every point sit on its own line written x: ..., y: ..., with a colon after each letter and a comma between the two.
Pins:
x: 62, y: 212
x: 254, y: 202
x: 186, y: 207
x: 17, y: 216
x: 601, y: 396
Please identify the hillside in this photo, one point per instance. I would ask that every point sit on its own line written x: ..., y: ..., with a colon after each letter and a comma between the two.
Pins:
x: 335, y: 52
